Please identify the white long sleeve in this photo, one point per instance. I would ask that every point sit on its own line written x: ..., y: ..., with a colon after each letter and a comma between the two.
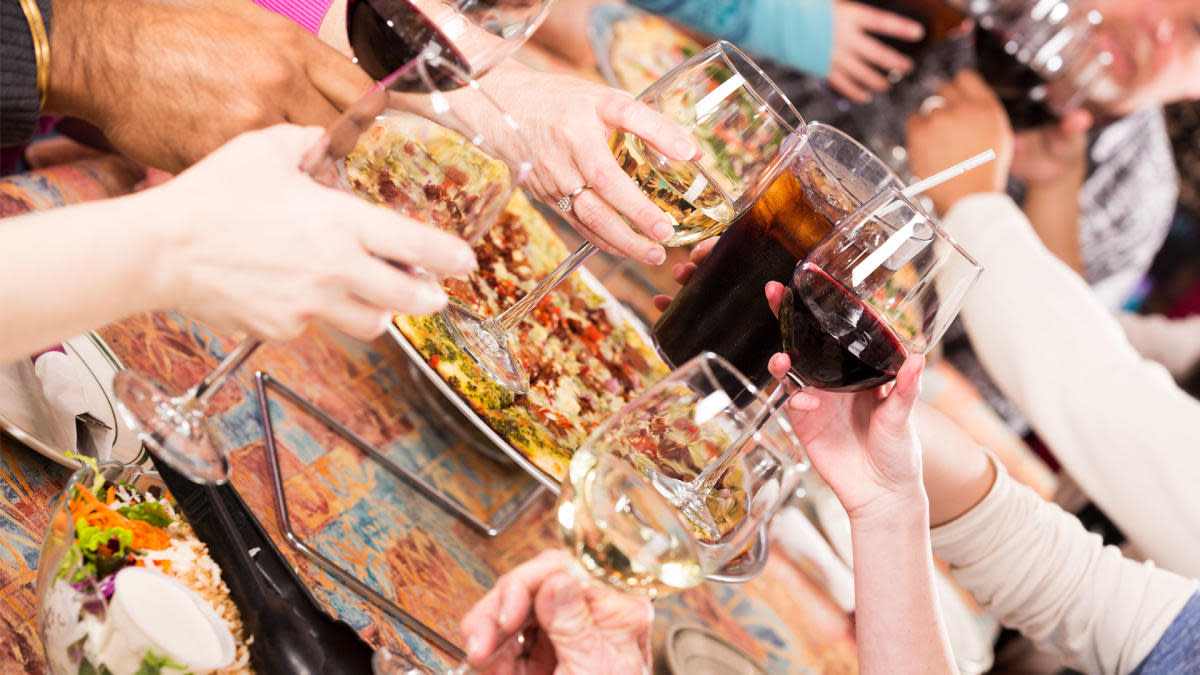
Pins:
x: 1175, y: 343
x: 1034, y: 567
x: 1120, y: 427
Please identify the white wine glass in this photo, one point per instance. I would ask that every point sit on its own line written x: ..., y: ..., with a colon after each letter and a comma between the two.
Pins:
x: 411, y: 161
x: 745, y: 129
x: 613, y: 514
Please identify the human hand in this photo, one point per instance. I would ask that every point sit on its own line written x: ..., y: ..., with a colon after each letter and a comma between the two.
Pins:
x: 967, y: 120
x: 590, y: 629
x: 257, y: 246
x: 568, y: 121
x: 170, y: 82
x: 1055, y: 153
x: 864, y: 445
x: 858, y: 56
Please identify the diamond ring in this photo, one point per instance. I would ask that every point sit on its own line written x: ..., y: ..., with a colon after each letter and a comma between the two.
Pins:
x: 566, y: 204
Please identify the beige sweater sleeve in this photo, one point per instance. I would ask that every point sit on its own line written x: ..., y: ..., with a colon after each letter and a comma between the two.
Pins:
x: 1127, y: 435
x: 1034, y: 567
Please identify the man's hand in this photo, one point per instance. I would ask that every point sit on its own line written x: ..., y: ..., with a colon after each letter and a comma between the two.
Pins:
x: 168, y: 82
x: 581, y: 628
x: 1055, y: 153
x: 967, y: 120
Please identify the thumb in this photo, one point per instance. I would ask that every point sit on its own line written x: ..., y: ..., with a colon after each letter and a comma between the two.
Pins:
x: 896, y: 410
x: 563, y: 613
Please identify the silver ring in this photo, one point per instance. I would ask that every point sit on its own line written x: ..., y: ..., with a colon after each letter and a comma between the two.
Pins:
x: 566, y: 204
x: 930, y: 104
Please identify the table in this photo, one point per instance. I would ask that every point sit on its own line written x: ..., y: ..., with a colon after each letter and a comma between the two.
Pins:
x: 396, y: 540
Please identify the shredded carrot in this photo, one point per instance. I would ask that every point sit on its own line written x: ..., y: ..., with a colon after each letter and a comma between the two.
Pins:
x: 111, y: 496
x: 145, y: 536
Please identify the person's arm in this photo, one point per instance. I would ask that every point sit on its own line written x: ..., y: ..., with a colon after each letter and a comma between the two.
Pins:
x: 865, y: 447
x: 1172, y: 342
x: 1123, y: 431
x: 1052, y: 163
x: 1119, y: 427
x: 1035, y: 568
x: 169, y: 82
x: 243, y: 241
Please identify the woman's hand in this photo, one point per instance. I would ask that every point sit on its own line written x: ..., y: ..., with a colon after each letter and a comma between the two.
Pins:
x: 964, y: 118
x: 250, y: 243
x: 858, y: 57
x: 864, y: 445
x: 568, y: 123
x: 581, y: 628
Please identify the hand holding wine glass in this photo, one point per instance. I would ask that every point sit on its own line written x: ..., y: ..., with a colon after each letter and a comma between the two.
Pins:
x: 581, y: 626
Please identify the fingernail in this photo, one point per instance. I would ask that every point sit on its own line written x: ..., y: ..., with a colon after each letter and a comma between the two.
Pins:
x: 502, y: 619
x: 656, y: 257
x: 566, y: 594
x: 432, y: 297
x: 685, y: 150
x: 663, y: 230
x: 472, y: 646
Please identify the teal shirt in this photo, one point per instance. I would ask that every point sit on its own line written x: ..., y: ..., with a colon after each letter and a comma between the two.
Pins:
x: 795, y: 33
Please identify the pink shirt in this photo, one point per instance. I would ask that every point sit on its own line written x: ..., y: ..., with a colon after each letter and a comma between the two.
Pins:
x: 308, y: 13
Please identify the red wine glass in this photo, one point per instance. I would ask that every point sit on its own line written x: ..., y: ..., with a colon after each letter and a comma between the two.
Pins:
x: 886, y: 283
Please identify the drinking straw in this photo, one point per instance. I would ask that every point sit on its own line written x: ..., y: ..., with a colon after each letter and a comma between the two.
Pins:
x: 946, y: 174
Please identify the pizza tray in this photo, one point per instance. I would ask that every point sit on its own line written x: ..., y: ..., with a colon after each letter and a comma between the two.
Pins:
x: 618, y: 314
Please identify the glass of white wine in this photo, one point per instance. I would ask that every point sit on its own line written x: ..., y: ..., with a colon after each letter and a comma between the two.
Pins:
x: 745, y: 129
x: 617, y: 514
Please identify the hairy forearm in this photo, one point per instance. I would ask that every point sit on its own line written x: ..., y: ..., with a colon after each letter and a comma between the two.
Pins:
x: 74, y: 269
x: 898, y: 623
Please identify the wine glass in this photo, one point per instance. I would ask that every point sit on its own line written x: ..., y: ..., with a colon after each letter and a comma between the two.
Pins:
x: 469, y: 36
x: 412, y: 160
x: 613, y: 517
x: 886, y: 283
x: 745, y: 129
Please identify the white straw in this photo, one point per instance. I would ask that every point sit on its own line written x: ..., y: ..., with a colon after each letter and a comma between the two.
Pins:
x: 876, y: 258
x: 946, y: 174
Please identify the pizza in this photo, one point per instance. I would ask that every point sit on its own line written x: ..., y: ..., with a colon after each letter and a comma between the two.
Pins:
x: 584, y: 358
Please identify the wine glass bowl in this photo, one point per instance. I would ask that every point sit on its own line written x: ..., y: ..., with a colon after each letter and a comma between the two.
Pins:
x: 886, y: 283
x: 630, y: 509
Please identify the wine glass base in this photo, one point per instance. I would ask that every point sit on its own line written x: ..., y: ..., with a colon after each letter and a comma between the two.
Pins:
x: 175, y: 433
x: 487, y: 347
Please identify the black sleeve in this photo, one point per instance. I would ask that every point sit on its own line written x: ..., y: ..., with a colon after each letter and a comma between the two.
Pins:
x: 19, y: 101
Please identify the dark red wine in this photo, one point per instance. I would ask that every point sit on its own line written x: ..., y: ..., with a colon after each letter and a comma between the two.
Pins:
x: 387, y: 34
x: 1021, y: 90
x: 836, y: 342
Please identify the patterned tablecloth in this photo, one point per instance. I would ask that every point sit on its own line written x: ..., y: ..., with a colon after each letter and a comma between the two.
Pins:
x: 396, y: 540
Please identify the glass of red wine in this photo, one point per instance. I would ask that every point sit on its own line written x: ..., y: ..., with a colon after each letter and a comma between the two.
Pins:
x: 886, y: 283
x: 424, y: 160
x: 468, y: 36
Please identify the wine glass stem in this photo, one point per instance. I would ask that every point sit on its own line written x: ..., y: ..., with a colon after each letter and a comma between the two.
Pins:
x: 512, y: 316
x: 203, y: 393
x: 707, y: 480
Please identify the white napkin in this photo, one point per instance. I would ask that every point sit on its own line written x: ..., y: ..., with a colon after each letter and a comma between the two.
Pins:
x: 800, y: 540
x: 63, y: 380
